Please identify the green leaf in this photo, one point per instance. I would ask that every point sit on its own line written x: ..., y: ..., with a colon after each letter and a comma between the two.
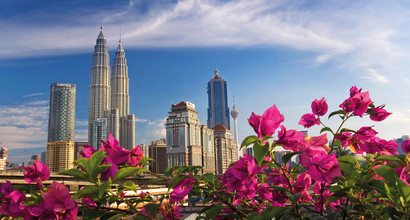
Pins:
x: 151, y: 209
x: 349, y: 169
x: 339, y: 112
x: 87, y: 190
x: 326, y: 129
x: 404, y: 190
x: 130, y: 185
x: 348, y: 159
x: 176, y: 180
x: 343, y: 130
x: 337, y: 143
x: 101, y: 168
x: 168, y: 171
x: 379, y: 185
x: 104, y: 187
x: 370, y: 112
x: 75, y: 173
x: 249, y: 140
x: 91, y: 213
x: 209, y: 178
x: 387, y: 173
x: 111, y: 216
x: 265, y: 138
x: 260, y: 152
x: 213, y: 211
x: 127, y: 172
x: 93, y: 162
x: 388, y: 158
x: 289, y: 156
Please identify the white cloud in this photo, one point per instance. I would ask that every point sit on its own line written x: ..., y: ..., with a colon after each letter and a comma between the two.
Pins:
x: 23, y: 126
x: 81, y: 123
x: 154, y: 131
x: 363, y: 36
x: 32, y: 95
x: 140, y: 120
x: 399, y: 117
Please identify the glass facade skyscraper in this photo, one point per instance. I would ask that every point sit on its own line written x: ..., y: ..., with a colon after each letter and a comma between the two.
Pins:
x: 61, y: 112
x: 60, y: 144
x: 218, y: 111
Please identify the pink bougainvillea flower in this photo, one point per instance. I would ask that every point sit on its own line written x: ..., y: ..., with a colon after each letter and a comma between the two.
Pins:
x: 320, y: 165
x: 354, y: 90
x: 40, y: 211
x: 181, y: 189
x: 358, y: 102
x: 302, y: 184
x: 87, y: 151
x: 170, y: 212
x: 86, y: 200
x: 265, y: 192
x: 240, y: 177
x: 36, y: 173
x: 375, y: 145
x: 135, y: 156
x: 379, y: 114
x: 110, y: 171
x: 290, y: 139
x: 319, y: 107
x: 5, y: 188
x: 266, y: 124
x: 344, y: 138
x: 58, y: 200
x: 348, y: 105
x: 119, y: 156
x: 405, y: 146
x: 362, y: 101
x: 308, y: 120
x: 13, y: 204
x: 365, y: 133
x: 110, y: 145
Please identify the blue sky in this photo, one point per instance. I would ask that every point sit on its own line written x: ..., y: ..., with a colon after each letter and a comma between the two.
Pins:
x: 270, y: 52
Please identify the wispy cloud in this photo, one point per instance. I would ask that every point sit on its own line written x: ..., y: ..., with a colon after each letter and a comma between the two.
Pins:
x: 369, y: 40
x: 32, y: 95
x: 140, y: 120
x: 23, y: 126
x: 154, y: 131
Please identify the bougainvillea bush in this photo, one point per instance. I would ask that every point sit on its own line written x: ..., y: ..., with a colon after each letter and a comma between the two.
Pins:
x: 339, y: 174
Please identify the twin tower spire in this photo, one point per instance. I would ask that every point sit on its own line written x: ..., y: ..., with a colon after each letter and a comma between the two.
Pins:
x: 109, y: 97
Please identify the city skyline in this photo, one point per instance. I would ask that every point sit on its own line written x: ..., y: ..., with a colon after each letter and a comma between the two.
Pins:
x: 269, y: 52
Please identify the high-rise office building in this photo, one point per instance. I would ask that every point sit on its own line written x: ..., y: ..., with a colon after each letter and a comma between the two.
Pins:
x: 183, y: 136
x: 100, y: 89
x: 218, y: 111
x: 60, y: 143
x: 109, y: 97
x: 99, y: 132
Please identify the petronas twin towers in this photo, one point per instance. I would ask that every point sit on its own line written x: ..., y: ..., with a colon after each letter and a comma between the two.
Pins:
x: 109, y: 97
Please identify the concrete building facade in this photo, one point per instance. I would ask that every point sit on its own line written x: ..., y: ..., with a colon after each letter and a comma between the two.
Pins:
x: 225, y: 148
x: 158, y: 152
x: 183, y: 136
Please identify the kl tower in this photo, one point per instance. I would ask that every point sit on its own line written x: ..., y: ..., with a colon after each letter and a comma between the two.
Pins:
x: 234, y: 114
